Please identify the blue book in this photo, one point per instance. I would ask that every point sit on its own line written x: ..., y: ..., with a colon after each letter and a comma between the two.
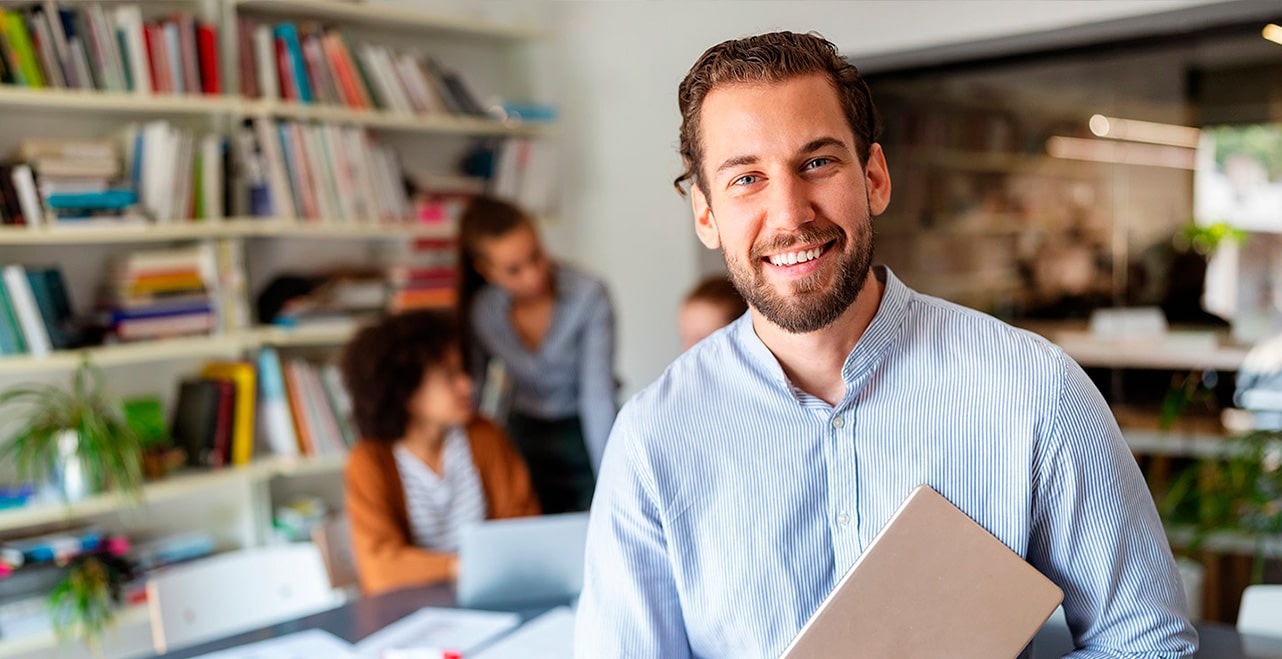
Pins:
x: 105, y: 200
x: 160, y: 312
x: 289, y: 34
x: 50, y: 292
x: 11, y: 339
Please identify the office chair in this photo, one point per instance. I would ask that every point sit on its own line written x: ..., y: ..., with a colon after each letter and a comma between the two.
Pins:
x: 235, y: 592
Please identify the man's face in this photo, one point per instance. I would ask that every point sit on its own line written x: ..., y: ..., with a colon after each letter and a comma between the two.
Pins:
x: 787, y: 200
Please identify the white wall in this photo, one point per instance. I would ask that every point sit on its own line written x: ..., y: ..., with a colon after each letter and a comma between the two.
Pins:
x: 619, y: 66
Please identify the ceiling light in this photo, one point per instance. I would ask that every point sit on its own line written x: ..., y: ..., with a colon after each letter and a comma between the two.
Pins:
x: 1151, y: 132
x: 1121, y: 153
x: 1273, y: 32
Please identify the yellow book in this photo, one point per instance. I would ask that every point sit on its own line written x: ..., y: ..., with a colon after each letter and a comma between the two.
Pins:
x: 242, y: 376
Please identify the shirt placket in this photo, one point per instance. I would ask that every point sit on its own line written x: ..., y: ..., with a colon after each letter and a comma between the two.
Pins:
x: 843, y: 486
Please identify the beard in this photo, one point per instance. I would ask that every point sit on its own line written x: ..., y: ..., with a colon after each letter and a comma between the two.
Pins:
x: 812, y: 304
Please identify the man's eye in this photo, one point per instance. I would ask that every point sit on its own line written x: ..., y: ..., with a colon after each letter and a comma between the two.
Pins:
x: 818, y: 162
x: 746, y: 179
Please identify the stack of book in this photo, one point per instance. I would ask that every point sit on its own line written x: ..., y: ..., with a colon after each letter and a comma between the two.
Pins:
x: 68, y: 182
x: 92, y: 48
x: 178, y: 175
x: 35, y: 312
x: 423, y: 276
x: 162, y: 293
x: 304, y: 408
x: 308, y: 64
x: 319, y: 171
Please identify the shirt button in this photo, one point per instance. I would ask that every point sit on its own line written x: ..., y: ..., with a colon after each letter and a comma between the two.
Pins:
x: 843, y: 519
x: 837, y: 421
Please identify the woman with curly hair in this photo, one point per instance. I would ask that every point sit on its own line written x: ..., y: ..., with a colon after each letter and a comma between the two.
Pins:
x: 426, y: 465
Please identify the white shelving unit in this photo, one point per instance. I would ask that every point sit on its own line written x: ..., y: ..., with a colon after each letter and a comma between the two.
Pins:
x: 391, y: 18
x: 240, y: 498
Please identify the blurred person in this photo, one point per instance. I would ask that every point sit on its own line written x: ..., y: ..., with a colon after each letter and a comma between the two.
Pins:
x: 711, y: 305
x: 551, y: 327
x: 426, y: 465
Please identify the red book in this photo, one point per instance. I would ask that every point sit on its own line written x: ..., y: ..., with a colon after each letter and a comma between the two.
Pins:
x: 221, y: 455
x: 245, y: 50
x: 339, y: 63
x: 152, y: 38
x: 284, y: 73
x: 211, y: 79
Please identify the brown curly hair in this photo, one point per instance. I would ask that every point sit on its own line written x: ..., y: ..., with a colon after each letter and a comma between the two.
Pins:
x: 384, y: 364
x: 772, y: 57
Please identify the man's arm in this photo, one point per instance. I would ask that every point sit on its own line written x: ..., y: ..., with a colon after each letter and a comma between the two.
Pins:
x: 1097, y: 535
x: 629, y: 606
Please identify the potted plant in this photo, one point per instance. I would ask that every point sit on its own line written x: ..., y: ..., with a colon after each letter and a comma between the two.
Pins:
x: 83, y: 605
x: 76, y: 440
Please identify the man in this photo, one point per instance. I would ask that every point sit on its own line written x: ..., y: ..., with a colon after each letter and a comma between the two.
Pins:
x: 741, y: 485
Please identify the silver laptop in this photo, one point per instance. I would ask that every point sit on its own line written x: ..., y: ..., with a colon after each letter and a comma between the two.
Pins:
x: 529, y: 560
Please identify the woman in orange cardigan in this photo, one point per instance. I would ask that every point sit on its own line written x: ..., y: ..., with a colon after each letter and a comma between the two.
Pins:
x: 427, y: 466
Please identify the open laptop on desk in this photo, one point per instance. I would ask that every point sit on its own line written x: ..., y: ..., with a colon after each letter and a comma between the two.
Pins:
x: 507, y: 563
x: 933, y: 583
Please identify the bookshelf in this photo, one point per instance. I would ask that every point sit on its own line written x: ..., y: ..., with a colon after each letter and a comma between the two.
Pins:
x: 390, y: 18
x: 214, y: 229
x: 124, y: 103
x: 237, y: 504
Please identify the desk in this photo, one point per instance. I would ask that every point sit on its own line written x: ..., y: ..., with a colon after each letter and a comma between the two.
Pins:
x: 360, y: 618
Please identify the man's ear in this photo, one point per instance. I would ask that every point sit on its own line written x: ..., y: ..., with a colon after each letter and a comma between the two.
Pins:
x: 877, y: 180
x: 705, y: 225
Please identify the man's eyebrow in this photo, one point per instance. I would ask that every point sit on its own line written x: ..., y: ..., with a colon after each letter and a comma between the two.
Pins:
x: 815, y: 145
x: 735, y: 162
x: 810, y: 147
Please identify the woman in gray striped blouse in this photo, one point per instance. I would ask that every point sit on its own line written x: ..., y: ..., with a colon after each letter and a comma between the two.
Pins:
x: 551, y: 327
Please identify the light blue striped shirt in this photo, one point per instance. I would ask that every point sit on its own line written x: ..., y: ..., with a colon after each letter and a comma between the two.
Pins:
x: 730, y: 502
x: 572, y: 371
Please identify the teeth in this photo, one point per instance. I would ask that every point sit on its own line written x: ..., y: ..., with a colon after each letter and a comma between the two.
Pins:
x: 793, y: 258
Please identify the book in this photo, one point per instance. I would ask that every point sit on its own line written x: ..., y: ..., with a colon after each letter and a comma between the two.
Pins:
x: 195, y: 419
x: 12, y: 341
x: 24, y: 183
x: 129, y: 23
x: 242, y: 376
x: 224, y: 424
x: 276, y: 420
x: 50, y: 293
x: 34, y: 332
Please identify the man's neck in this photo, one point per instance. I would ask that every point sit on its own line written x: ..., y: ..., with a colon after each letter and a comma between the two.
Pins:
x: 813, y: 361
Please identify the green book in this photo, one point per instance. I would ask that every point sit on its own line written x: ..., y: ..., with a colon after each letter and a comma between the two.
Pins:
x: 11, y: 339
x: 20, y: 40
x: 198, y: 184
x: 13, y: 72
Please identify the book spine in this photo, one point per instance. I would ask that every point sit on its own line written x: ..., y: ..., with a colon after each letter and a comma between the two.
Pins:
x: 24, y: 305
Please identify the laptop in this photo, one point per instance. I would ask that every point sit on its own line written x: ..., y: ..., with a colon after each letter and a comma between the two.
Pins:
x: 933, y: 583
x: 508, y: 563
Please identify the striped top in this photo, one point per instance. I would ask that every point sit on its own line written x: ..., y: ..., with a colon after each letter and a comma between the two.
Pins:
x: 730, y: 502
x: 439, y: 505
x: 572, y: 372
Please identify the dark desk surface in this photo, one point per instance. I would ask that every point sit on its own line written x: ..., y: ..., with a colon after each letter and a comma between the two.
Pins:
x: 356, y: 620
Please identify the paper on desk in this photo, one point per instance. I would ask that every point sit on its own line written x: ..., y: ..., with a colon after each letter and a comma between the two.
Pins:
x: 549, y: 636
x: 444, y: 629
x: 303, y: 645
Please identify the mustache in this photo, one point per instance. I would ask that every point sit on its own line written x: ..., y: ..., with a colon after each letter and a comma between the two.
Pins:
x: 804, y: 236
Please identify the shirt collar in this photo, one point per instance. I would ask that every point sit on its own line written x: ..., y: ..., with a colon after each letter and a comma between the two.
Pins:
x: 879, y: 336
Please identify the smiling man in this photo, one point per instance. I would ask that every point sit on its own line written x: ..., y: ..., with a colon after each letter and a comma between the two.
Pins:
x: 741, y: 485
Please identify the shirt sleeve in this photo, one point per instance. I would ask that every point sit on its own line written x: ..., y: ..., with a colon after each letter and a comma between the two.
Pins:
x: 597, y: 402
x: 1096, y: 534
x: 629, y: 605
